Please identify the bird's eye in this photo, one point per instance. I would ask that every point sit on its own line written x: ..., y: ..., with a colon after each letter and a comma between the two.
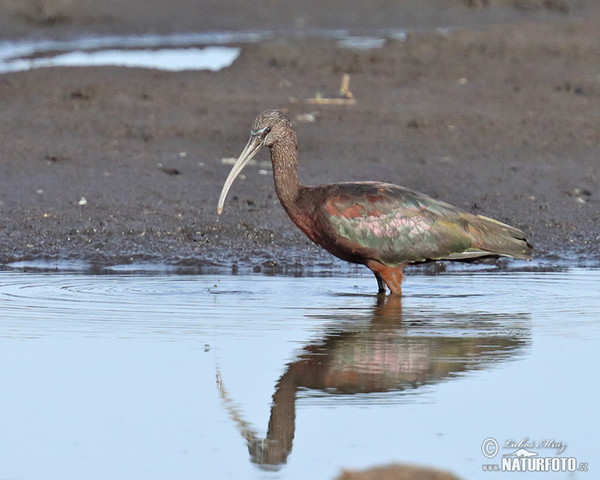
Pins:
x: 267, y: 130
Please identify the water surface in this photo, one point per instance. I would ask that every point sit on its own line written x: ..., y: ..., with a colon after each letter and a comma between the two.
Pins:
x: 174, y: 52
x: 250, y: 376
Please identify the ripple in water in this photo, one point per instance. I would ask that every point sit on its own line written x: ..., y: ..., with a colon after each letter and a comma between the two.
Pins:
x: 96, y: 304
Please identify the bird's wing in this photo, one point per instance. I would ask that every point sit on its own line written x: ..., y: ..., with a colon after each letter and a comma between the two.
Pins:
x: 396, y: 225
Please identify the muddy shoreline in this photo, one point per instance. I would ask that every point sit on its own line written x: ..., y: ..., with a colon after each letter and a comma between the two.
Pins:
x: 499, y: 116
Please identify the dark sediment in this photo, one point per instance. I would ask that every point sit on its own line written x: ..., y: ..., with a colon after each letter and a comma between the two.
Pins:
x: 500, y: 117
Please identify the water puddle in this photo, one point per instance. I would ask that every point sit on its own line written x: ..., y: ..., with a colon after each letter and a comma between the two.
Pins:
x: 250, y: 376
x: 209, y: 58
x: 194, y: 51
x: 163, y: 52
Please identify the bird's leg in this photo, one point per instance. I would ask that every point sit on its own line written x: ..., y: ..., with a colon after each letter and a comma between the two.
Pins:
x: 380, y: 283
x: 392, y: 276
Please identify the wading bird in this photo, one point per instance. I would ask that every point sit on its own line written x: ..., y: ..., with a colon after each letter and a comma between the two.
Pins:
x: 380, y: 225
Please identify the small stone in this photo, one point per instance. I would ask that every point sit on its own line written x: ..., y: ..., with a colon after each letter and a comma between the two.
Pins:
x: 308, y: 117
x: 82, y: 201
x: 417, y: 122
x: 168, y: 170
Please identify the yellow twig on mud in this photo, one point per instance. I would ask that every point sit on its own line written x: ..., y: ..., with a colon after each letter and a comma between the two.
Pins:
x: 346, y: 96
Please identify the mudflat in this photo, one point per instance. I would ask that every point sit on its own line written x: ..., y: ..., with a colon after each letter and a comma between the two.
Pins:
x: 493, y: 106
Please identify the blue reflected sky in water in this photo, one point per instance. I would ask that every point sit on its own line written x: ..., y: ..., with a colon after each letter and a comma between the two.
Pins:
x: 114, y: 376
x: 174, y: 52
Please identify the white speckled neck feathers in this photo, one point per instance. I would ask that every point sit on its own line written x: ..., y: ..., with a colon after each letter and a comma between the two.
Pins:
x: 283, y: 146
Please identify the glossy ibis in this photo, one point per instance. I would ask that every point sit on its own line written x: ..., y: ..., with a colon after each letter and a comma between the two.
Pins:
x: 380, y: 225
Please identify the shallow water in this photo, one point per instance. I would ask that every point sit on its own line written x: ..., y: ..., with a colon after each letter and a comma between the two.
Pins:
x: 172, y: 53
x: 250, y: 376
x: 175, y: 52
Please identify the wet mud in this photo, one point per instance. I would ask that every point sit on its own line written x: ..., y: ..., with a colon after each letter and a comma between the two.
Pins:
x: 499, y: 116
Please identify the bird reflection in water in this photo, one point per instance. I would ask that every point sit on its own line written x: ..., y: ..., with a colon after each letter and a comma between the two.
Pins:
x: 387, y: 352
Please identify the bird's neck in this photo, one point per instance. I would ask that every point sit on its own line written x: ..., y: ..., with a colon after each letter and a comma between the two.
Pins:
x: 284, y: 157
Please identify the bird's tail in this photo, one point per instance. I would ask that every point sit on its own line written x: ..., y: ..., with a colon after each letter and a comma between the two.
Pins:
x: 498, y: 238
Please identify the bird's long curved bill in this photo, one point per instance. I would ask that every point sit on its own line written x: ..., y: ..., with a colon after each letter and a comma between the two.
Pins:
x: 252, y: 148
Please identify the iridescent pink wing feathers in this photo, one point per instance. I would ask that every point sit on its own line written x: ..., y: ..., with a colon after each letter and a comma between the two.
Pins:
x: 395, y: 226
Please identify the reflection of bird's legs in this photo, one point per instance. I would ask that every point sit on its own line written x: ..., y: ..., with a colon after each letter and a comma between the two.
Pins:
x: 388, y: 311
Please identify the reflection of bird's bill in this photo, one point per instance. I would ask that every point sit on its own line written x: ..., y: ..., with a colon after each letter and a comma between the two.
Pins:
x: 268, y: 453
x: 236, y: 415
x: 255, y: 143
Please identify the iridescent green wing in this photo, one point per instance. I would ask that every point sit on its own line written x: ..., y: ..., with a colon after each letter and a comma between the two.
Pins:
x: 397, y: 225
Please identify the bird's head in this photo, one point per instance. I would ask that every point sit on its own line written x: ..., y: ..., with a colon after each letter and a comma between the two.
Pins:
x: 267, y: 129
x: 270, y: 125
